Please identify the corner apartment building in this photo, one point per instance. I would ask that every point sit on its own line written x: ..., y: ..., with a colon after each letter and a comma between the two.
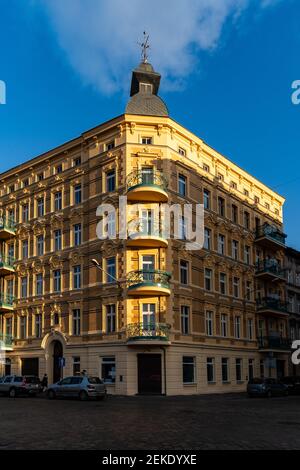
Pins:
x: 156, y: 318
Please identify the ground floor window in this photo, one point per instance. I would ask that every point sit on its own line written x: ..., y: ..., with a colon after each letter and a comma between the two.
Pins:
x: 225, y: 369
x: 262, y: 368
x: 76, y: 365
x: 210, y: 368
x: 251, y: 369
x: 108, y: 369
x: 238, y: 369
x: 188, y: 369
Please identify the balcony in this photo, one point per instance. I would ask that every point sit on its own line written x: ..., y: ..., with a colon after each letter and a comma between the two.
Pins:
x: 271, y: 306
x: 270, y: 236
x: 6, y: 303
x: 149, y: 283
x: 269, y: 270
x: 147, y: 186
x: 274, y: 343
x: 6, y: 264
x: 150, y: 334
x: 7, y: 228
x: 6, y: 342
x: 146, y: 233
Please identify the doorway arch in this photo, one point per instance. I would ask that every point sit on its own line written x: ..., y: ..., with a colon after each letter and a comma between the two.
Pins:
x: 54, y: 344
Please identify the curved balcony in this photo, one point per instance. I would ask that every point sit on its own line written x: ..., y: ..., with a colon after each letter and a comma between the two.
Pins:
x: 6, y: 342
x: 150, y: 283
x: 271, y: 306
x: 7, y: 228
x: 148, y: 186
x: 270, y: 236
x: 6, y: 264
x: 150, y: 334
x: 6, y: 303
x: 269, y: 270
x: 143, y: 233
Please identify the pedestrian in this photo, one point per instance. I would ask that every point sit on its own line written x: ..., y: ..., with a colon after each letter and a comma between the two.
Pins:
x: 44, y: 383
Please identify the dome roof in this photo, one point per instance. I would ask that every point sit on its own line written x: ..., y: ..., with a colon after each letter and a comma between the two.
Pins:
x: 146, y: 104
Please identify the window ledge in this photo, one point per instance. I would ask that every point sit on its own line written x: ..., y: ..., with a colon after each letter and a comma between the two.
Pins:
x: 240, y: 382
x: 226, y: 383
x: 192, y: 384
x: 211, y: 383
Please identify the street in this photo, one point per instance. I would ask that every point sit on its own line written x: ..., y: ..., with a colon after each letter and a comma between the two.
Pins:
x: 231, y: 421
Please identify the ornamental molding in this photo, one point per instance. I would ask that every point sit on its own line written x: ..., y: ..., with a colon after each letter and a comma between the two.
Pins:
x: 55, y: 262
x: 56, y: 221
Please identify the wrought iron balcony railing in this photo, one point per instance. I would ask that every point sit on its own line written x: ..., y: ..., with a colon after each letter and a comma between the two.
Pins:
x: 147, y: 178
x: 145, y: 227
x: 6, y: 341
x: 269, y: 266
x: 270, y: 303
x: 6, y: 261
x: 6, y: 223
x: 147, y: 331
x: 271, y: 232
x: 274, y: 342
x: 151, y: 277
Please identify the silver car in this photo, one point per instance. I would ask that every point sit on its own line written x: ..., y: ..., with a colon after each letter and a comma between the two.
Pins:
x: 13, y: 385
x: 82, y: 387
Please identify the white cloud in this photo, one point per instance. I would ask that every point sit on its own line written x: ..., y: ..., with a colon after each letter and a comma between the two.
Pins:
x: 100, y: 37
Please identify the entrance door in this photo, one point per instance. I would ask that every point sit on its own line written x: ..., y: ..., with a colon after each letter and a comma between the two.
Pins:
x: 280, y: 368
x: 57, y: 354
x: 30, y: 366
x: 149, y: 374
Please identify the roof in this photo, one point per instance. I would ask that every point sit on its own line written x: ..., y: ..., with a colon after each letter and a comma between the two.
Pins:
x: 146, y: 104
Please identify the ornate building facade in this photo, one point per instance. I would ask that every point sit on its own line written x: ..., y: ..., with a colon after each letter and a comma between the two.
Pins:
x: 152, y: 316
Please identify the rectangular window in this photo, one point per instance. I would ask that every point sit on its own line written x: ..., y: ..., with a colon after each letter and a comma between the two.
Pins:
x: 40, y: 176
x: 250, y: 328
x: 8, y: 326
x: 210, y: 369
x: 25, y: 213
x: 23, y: 327
x: 238, y: 369
x: 247, y: 255
x: 234, y: 214
x: 10, y: 288
x: 11, y: 188
x: 208, y: 279
x: 76, y: 322
x: 235, y: 250
x: 58, y: 169
x: 111, y: 270
x: 225, y: 369
x: 110, y: 318
x: 38, y: 326
x: 207, y: 238
x: 221, y: 244
x: 77, y: 277
x: 236, y: 287
x: 57, y: 280
x: 262, y: 368
x: 181, y: 151
x: 206, y: 199
x: 108, y: 369
x: 40, y: 207
x: 182, y: 228
x: 237, y: 327
x: 77, y: 161
x: 185, y: 319
x: 182, y: 185
x: 39, y: 284
x: 25, y: 249
x: 184, y: 272
x: 76, y: 365
x: 250, y: 369
x: 224, y: 325
x: 77, y: 234
x: 146, y: 88
x: 221, y: 206
x: 24, y: 286
x: 148, y: 316
x: 11, y: 252
x: 111, y: 180
x: 25, y: 183
x: 209, y: 321
x: 57, y: 240
x: 188, y: 369
x: 58, y: 201
x: 206, y: 168
x: 111, y: 225
x: 110, y: 145
x: 40, y: 245
x: 223, y: 284
x: 247, y: 220
x: 77, y: 194
x: 147, y: 140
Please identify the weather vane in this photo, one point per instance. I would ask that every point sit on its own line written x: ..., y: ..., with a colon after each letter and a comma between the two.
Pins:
x: 145, y: 46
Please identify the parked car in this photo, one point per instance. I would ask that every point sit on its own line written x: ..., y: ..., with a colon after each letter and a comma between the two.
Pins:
x: 266, y: 387
x: 82, y: 387
x: 293, y: 384
x: 13, y: 385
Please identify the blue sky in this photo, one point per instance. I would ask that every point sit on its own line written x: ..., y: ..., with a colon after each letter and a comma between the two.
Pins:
x: 227, y: 68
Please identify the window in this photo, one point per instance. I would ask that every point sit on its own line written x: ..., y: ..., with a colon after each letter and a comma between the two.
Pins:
x: 234, y: 214
x: 236, y: 287
x: 110, y: 145
x: 108, y: 369
x: 182, y: 228
x: 10, y: 288
x: 208, y: 279
x: 207, y: 238
x: 111, y: 180
x: 250, y: 328
x: 57, y: 240
x: 185, y: 317
x: 56, y: 318
x: 77, y: 277
x: 188, y: 370
x: 237, y: 327
x: 209, y: 323
x: 206, y: 168
x: 262, y: 368
x: 184, y: 272
x: 11, y: 251
x: 111, y: 225
x: 77, y: 161
x: 23, y: 327
x: 111, y: 270
x: 210, y: 369
x: 223, y: 282
x: 76, y: 365
x: 235, y: 250
x: 148, y: 316
x: 221, y: 244
x: 233, y: 185
x: 247, y: 255
x: 182, y: 151
x: 182, y: 185
x: 77, y: 194
x: 256, y: 199
x: 250, y: 369
x: 76, y: 322
x: 225, y: 369
x: 57, y: 280
x: 77, y: 234
x: 220, y: 177
x: 147, y: 140
x: 40, y: 176
x: 8, y: 326
x: 24, y: 285
x: 40, y: 245
x: 11, y: 189
x: 58, y: 201
x: 146, y: 88
x: 267, y: 205
x: 206, y: 199
x: 248, y: 290
x: 40, y: 207
x: 247, y: 220
x: 238, y: 369
x: 25, y: 213
x: 224, y: 325
x: 246, y: 192
x: 39, y: 284
x: 25, y: 249
x: 38, y: 326
x: 58, y: 169
x: 221, y: 206
x: 25, y: 183
x: 11, y: 215
x: 110, y: 318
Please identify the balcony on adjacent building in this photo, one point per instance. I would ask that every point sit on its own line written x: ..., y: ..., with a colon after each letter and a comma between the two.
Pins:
x: 274, y: 343
x: 6, y: 342
x: 6, y: 303
x: 148, y: 333
x: 6, y: 264
x: 148, y: 282
x: 146, y: 233
x: 7, y: 228
x: 147, y: 185
x: 270, y: 236
x: 269, y: 270
x: 271, y: 306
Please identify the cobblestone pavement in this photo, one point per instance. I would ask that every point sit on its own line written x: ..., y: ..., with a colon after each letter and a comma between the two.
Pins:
x: 151, y: 423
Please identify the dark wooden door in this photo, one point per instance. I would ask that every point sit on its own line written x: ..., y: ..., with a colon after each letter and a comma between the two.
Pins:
x: 57, y: 354
x: 149, y: 374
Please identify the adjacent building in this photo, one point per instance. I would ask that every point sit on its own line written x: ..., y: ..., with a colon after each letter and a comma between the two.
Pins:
x: 152, y: 317
x: 292, y: 271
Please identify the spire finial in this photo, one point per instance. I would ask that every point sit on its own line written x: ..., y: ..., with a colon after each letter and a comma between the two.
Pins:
x: 145, y: 46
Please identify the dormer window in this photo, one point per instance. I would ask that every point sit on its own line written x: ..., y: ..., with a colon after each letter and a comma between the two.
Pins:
x: 146, y: 88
